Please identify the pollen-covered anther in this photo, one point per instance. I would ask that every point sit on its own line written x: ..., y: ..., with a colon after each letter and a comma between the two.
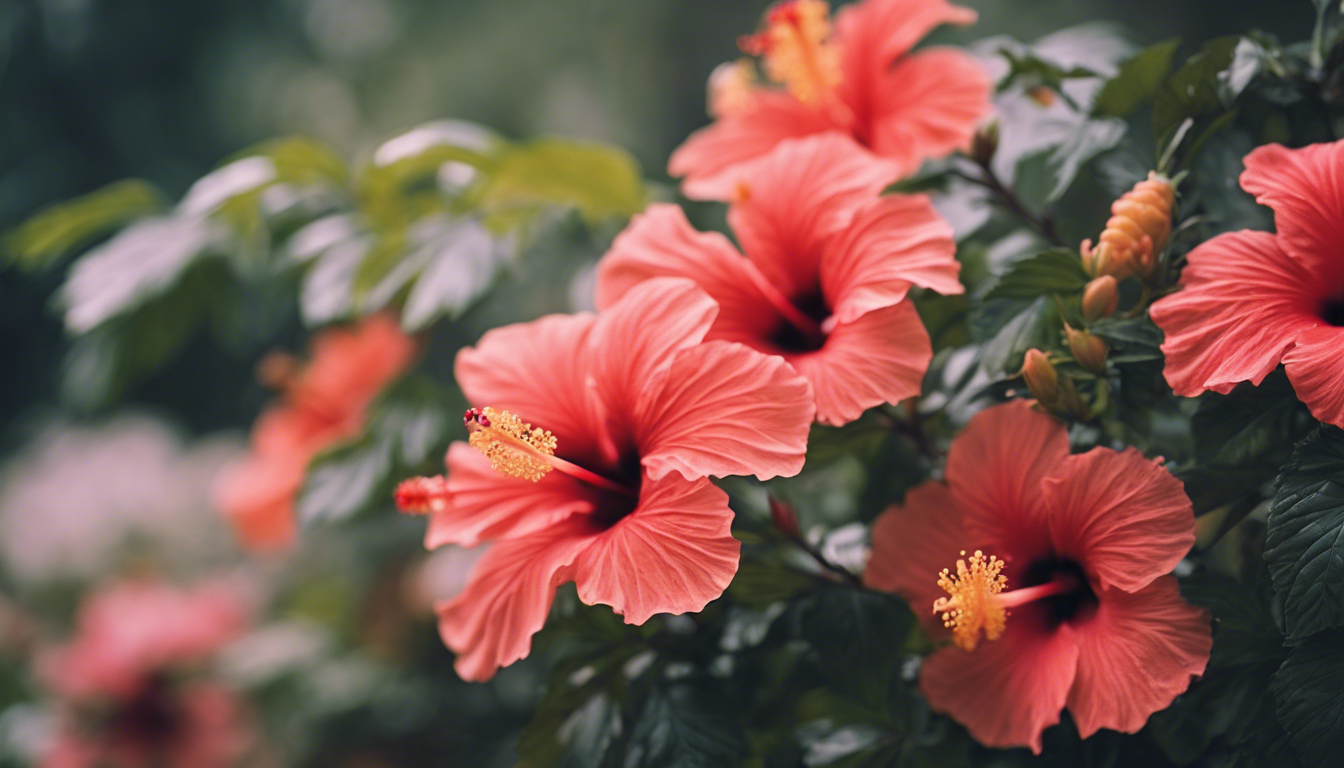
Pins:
x: 796, y: 49
x: 513, y: 446
x: 422, y: 495
x: 972, y: 606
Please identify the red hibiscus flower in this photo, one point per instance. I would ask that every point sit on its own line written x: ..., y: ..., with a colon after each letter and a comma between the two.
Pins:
x: 862, y: 80
x: 827, y: 270
x: 323, y: 403
x: 127, y: 699
x: 1068, y: 580
x: 1252, y: 300
x: 610, y: 489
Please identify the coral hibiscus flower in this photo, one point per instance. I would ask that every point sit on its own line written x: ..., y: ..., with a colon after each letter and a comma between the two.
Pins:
x: 610, y: 489
x: 323, y: 403
x: 1067, y: 580
x: 862, y: 81
x: 125, y: 698
x: 827, y: 271
x: 1250, y: 300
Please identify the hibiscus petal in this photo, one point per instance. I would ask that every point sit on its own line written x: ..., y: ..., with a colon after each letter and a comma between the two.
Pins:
x: 928, y: 105
x: 673, y: 554
x: 873, y: 33
x: 535, y: 370
x: 484, y: 504
x: 725, y: 409
x: 881, y: 357
x: 635, y: 339
x: 1124, y: 518
x: 892, y: 243
x: 661, y: 243
x: 1243, y: 301
x: 710, y: 156
x: 1314, y: 367
x: 995, y: 468
x: 490, y: 625
x: 1007, y: 691
x: 1136, y: 655
x: 912, y: 543
x: 804, y: 192
x: 1305, y: 187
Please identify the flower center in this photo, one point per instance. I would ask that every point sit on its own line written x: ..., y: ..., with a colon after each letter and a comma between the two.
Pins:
x: 1333, y: 312
x: 801, y: 321
x: 796, y: 49
x: 977, y: 602
x: 150, y: 718
x: 518, y: 449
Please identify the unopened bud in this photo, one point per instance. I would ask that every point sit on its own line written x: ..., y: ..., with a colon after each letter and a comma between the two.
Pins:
x: 1100, y: 298
x: 784, y: 517
x: 277, y: 369
x: 1043, y: 96
x: 985, y: 142
x: 1088, y: 349
x: 1041, y: 377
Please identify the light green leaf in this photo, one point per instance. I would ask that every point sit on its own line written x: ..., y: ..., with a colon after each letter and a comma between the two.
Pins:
x: 54, y: 232
x: 462, y: 263
x: 600, y: 181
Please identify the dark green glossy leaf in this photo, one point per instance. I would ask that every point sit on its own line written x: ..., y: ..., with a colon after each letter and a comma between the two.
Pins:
x: 1310, y: 691
x: 1085, y: 142
x: 858, y: 637
x: 1245, y: 425
x: 1037, y: 326
x: 1196, y: 91
x: 1137, y: 80
x: 684, y: 725
x: 1304, y: 546
x: 1058, y: 270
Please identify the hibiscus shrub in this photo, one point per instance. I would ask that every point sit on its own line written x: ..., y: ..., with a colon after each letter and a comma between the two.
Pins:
x: 990, y: 412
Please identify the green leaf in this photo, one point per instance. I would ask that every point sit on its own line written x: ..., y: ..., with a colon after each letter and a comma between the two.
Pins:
x: 1304, y: 544
x: 685, y: 725
x: 1243, y: 426
x: 462, y: 263
x: 1244, y: 630
x: 141, y: 262
x: 1310, y: 691
x: 1137, y: 80
x: 1031, y: 70
x: 54, y: 232
x: 858, y: 638
x: 1197, y: 90
x: 1036, y: 326
x: 408, y: 430
x: 1058, y: 270
x: 328, y: 290
x: 1085, y: 142
x: 600, y: 181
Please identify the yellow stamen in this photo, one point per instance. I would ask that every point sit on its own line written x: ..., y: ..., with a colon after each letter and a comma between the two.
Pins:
x: 973, y: 605
x: 730, y: 87
x: 512, y: 445
x: 796, y: 49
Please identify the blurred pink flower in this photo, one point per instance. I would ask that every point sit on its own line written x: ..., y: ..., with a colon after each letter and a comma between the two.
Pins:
x: 322, y: 404
x: 1252, y: 300
x: 862, y: 80
x: 827, y: 271
x: 126, y: 685
x: 639, y: 412
x: 1087, y: 543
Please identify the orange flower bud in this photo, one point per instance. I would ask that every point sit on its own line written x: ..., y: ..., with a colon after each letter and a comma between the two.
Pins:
x: 1043, y: 96
x: 1088, y: 349
x: 1135, y: 234
x: 1100, y: 298
x: 1041, y: 377
x: 784, y: 517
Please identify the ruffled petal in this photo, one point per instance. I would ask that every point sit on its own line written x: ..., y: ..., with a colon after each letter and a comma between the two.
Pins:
x: 708, y: 158
x: 634, y: 340
x: 791, y: 201
x: 995, y: 468
x: 1136, y: 655
x: 913, y: 542
x: 892, y: 243
x: 256, y: 496
x: 1305, y: 187
x: 1242, y: 303
x: 1007, y: 691
x: 673, y: 554
x: 484, y: 504
x: 873, y: 33
x: 927, y: 106
x: 880, y: 357
x: 725, y: 409
x: 537, y: 371
x: 661, y: 243
x: 1124, y: 518
x: 490, y: 625
x: 1316, y: 368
